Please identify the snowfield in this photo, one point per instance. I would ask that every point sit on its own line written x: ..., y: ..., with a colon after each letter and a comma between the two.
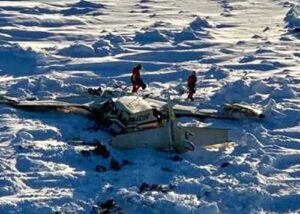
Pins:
x: 242, y: 51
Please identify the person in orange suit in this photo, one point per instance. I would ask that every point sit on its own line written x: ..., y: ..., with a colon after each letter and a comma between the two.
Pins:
x: 136, y: 79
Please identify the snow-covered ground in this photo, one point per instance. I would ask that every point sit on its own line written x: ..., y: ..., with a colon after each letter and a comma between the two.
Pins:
x: 242, y: 51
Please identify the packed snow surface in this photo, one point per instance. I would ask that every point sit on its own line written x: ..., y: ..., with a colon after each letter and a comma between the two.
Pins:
x: 242, y: 51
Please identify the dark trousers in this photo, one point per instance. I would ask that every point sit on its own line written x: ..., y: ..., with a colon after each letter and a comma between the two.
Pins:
x: 137, y: 84
x: 192, y: 91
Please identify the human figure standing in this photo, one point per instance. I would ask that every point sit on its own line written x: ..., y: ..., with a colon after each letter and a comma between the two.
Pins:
x: 136, y: 79
x: 191, y: 85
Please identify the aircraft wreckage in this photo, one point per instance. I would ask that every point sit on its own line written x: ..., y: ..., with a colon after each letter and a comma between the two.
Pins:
x: 136, y: 121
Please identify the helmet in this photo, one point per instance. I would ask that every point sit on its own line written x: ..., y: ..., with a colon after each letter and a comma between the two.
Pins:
x: 193, y: 72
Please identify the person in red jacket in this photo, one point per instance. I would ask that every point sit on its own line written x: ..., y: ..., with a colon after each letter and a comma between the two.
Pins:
x: 136, y: 79
x: 191, y: 85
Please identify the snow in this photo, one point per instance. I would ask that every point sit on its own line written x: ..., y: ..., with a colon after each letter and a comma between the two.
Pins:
x: 292, y: 17
x: 200, y: 23
x: 78, y: 51
x: 242, y: 51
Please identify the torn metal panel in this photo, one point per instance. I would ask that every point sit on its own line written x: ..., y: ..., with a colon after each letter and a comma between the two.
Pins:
x: 204, y: 136
x: 176, y: 138
x: 132, y: 104
x: 44, y: 105
x: 239, y: 110
x: 152, y: 138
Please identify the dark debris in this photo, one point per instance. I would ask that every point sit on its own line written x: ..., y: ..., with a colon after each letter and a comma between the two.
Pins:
x: 156, y: 187
x: 176, y: 158
x: 101, y: 149
x: 115, y: 165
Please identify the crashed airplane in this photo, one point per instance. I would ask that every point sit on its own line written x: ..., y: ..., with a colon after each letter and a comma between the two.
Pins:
x: 136, y: 122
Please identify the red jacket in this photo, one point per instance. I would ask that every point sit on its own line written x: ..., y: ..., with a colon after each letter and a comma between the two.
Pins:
x: 136, y: 73
x: 191, y: 82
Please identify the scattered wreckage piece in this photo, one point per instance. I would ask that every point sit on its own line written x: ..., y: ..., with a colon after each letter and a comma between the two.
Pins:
x: 228, y: 112
x: 236, y: 109
x: 202, y: 114
x: 44, y: 105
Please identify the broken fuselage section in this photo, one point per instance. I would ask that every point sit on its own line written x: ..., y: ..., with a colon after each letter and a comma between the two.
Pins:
x: 128, y: 114
x: 136, y: 122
